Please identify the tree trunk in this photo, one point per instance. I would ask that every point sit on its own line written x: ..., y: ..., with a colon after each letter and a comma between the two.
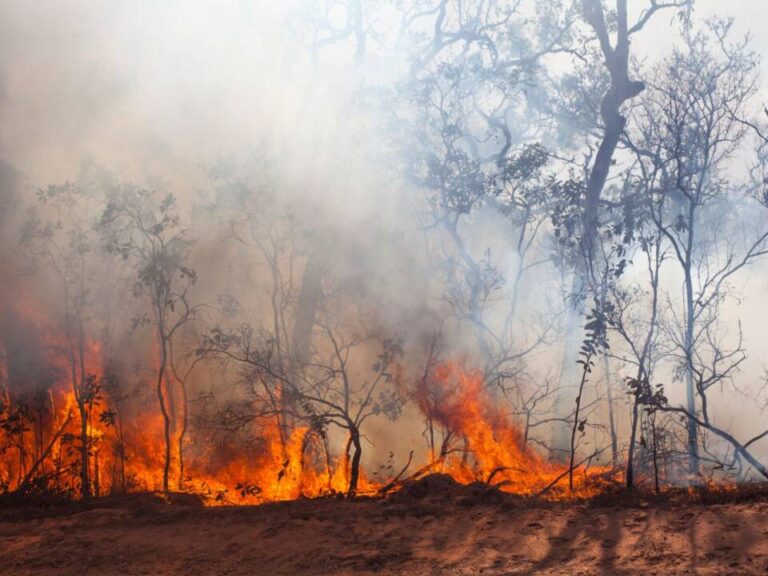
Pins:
x: 121, y: 447
x: 690, y: 393
x: 565, y: 396
x: 620, y: 90
x: 85, y: 488
x: 183, y: 431
x: 655, y: 455
x: 96, y: 479
x: 575, y: 426
x: 162, y: 389
x: 630, y: 475
x: 22, y: 484
x: 309, y: 300
x: 81, y: 404
x: 354, y: 470
x: 611, y: 411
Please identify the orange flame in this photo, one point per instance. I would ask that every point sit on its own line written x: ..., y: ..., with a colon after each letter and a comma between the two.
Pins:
x: 494, y: 451
x: 127, y: 452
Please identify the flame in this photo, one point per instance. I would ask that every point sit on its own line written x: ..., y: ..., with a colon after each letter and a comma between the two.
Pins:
x: 494, y: 451
x: 482, y: 443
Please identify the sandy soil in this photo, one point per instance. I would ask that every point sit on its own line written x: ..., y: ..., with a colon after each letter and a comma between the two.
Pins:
x: 404, y: 535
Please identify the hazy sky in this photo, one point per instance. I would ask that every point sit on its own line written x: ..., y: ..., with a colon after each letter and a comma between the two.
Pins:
x: 748, y: 15
x: 143, y: 85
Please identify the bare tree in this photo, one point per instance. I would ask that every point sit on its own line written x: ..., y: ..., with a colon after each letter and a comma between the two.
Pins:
x: 146, y: 230
x: 684, y: 142
x: 325, y: 392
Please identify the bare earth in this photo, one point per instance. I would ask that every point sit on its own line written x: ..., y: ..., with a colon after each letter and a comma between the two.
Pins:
x: 140, y: 535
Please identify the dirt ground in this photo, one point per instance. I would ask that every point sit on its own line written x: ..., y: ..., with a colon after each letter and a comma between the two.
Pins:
x: 409, y: 534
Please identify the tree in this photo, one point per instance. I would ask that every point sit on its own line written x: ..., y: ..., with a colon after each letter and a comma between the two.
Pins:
x: 59, y: 235
x: 297, y: 367
x: 684, y: 143
x: 612, y: 31
x: 324, y: 393
x: 472, y: 148
x: 146, y: 230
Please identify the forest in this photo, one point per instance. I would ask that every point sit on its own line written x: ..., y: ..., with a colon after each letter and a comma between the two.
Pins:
x: 576, y: 280
x: 258, y: 252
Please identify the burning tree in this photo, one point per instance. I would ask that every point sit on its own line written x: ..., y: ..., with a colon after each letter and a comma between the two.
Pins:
x: 145, y: 230
x: 479, y: 170
x: 59, y: 235
x: 327, y: 390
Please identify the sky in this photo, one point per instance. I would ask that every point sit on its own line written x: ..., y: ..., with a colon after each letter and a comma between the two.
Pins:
x: 146, y: 84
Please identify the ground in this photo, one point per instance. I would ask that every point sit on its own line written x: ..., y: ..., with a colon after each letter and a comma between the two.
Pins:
x: 410, y: 534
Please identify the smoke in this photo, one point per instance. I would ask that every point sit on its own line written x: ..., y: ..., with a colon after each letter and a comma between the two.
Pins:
x: 196, y: 98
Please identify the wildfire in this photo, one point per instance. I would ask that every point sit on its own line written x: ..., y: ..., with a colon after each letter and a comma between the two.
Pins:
x: 494, y: 451
x: 43, y: 440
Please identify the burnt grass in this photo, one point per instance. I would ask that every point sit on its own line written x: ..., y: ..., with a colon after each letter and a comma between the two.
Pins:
x: 430, y: 526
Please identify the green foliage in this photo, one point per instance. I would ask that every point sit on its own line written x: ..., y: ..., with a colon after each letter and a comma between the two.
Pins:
x: 596, y: 329
x: 651, y: 397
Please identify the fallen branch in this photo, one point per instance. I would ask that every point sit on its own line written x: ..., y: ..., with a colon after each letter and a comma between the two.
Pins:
x: 738, y: 447
x: 391, y: 484
x: 497, y: 470
x: 568, y: 471
x: 28, y: 478
x: 424, y: 470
